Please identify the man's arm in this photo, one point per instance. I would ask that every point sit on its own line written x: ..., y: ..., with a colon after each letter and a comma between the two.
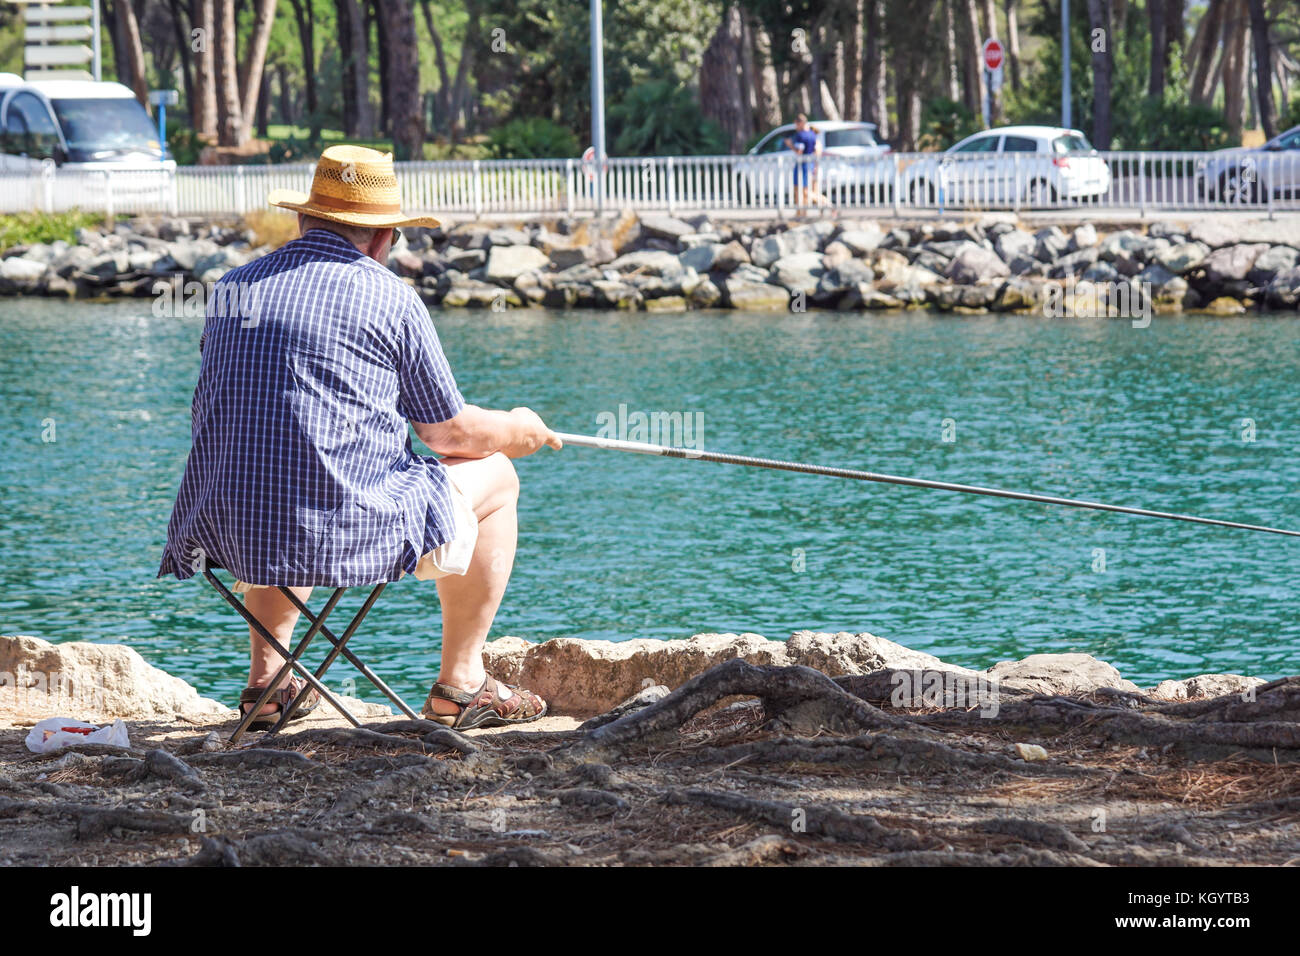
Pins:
x: 476, y: 432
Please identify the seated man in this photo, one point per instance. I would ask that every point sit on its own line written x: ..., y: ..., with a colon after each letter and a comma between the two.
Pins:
x: 314, y: 359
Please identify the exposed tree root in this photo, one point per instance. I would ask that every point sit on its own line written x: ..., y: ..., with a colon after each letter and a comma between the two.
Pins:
x: 880, y: 753
x: 816, y: 821
x: 797, y: 698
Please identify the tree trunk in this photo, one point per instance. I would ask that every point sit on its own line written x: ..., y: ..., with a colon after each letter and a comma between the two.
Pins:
x: 722, y: 97
x: 305, y: 17
x: 1159, y: 49
x: 1013, y: 44
x: 375, y: 16
x: 468, y: 51
x: 229, y: 120
x: 443, y: 96
x: 767, y: 91
x: 264, y: 105
x: 974, y: 69
x: 1263, y: 68
x: 182, y: 37
x: 1205, y: 45
x: 203, y: 107
x: 991, y: 31
x: 950, y: 52
x: 1099, y: 19
x: 250, y: 79
x: 1234, y: 69
x: 874, y: 65
x: 911, y: 58
x: 406, y: 117
x: 286, y: 101
x: 853, y: 65
x: 128, y: 36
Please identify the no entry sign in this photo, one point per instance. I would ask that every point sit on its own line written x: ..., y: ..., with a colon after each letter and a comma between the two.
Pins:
x: 992, y: 54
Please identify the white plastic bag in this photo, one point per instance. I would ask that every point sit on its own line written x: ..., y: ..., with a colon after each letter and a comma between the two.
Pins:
x: 54, y: 733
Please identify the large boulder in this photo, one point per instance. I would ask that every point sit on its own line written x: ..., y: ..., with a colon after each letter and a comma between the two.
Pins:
x: 799, y: 272
x: 665, y: 227
x: 1232, y: 263
x: 1015, y: 243
x: 767, y: 250
x: 1181, y: 258
x: 974, y: 263
x: 508, y: 263
x: 581, y: 678
x: 647, y: 261
x: 1059, y: 674
x: 731, y: 257
x: 1273, y: 260
x: 755, y: 296
x: 862, y: 239
x: 1205, y: 686
x: 91, y: 682
x: 702, y: 257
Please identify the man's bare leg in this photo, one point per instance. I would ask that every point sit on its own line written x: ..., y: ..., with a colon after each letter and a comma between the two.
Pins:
x: 470, y: 601
x: 277, y: 614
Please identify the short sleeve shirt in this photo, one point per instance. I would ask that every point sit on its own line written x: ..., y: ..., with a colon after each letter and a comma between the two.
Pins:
x: 301, y: 471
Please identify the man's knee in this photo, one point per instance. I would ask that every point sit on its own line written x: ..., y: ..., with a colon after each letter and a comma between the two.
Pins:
x: 504, y: 475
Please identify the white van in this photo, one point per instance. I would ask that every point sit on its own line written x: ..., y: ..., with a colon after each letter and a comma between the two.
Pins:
x: 83, y: 127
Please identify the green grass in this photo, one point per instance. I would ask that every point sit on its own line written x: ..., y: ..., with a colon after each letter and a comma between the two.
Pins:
x: 27, y: 228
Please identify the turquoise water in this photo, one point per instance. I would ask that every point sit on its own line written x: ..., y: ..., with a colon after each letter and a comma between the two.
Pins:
x: 623, y: 546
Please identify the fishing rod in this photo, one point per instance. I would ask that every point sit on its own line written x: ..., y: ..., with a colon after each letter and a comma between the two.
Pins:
x: 664, y: 451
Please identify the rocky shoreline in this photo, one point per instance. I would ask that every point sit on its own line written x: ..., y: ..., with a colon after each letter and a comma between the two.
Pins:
x: 727, y: 750
x: 665, y: 264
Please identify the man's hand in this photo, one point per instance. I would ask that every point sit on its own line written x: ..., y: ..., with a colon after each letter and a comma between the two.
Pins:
x: 532, y: 434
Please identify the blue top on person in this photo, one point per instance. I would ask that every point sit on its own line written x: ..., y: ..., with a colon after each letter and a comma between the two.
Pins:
x: 803, y: 141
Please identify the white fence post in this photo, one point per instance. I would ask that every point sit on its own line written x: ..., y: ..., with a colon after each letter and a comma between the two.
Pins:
x: 671, y: 187
x: 108, y: 196
x: 1142, y: 185
x: 478, y: 188
x: 240, y: 199
x: 568, y: 187
x: 47, y: 186
x: 898, y: 180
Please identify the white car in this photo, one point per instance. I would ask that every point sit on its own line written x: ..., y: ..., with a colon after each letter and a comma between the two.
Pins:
x: 1032, y: 165
x: 96, y: 132
x: 850, y: 161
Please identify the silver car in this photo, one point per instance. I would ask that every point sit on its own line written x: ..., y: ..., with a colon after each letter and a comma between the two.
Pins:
x: 1247, y: 176
x: 1033, y: 165
x: 850, y: 163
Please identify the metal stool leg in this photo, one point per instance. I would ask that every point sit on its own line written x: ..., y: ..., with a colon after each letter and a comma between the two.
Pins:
x: 352, y: 659
x: 339, y: 646
x: 291, y: 660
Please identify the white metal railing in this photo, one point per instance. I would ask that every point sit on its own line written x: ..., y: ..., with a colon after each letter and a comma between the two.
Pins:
x: 1138, y: 183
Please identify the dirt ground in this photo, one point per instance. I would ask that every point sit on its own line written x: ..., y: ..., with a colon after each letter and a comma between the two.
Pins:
x: 709, y: 775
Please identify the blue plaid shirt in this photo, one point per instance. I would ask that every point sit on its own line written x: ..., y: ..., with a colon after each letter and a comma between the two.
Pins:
x: 314, y: 358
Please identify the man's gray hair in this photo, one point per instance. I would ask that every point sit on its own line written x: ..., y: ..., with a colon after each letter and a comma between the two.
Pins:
x: 357, y: 235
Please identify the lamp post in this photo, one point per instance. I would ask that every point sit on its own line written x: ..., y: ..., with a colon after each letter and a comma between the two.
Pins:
x: 598, y: 102
x: 1065, y: 65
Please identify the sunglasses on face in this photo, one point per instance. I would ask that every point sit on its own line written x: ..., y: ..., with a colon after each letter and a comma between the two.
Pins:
x: 397, y: 236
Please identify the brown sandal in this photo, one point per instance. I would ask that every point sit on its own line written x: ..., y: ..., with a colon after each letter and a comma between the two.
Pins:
x: 485, y: 707
x: 282, y: 697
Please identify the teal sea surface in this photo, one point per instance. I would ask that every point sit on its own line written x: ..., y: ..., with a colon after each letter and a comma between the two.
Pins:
x: 1192, y: 414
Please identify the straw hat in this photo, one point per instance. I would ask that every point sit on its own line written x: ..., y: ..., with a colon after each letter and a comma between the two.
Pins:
x: 352, y: 185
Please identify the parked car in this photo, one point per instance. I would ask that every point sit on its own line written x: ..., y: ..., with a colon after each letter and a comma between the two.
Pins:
x: 84, y: 126
x: 1034, y: 165
x: 1252, y: 175
x: 850, y: 161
